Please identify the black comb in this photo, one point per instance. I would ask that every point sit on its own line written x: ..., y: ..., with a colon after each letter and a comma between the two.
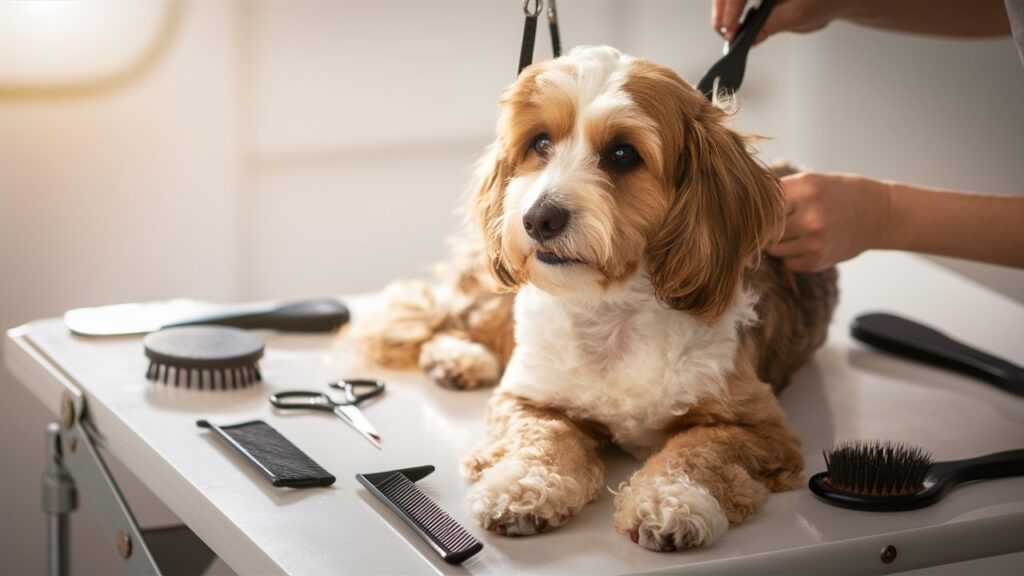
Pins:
x: 272, y: 454
x: 204, y: 357
x: 728, y: 71
x: 886, y: 476
x: 397, y: 490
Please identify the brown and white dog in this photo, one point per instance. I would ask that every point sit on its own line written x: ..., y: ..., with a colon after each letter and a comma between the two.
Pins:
x: 629, y: 220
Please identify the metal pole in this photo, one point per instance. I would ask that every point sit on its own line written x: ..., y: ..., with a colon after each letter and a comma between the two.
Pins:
x: 58, y: 502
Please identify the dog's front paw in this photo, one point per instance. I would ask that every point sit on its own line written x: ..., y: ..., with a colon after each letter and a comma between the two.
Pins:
x: 456, y: 363
x: 668, y: 513
x: 516, y: 498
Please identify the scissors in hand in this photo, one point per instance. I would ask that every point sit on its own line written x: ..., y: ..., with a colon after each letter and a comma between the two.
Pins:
x: 355, y: 392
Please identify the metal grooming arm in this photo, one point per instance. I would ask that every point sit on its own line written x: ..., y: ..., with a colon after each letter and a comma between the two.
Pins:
x: 72, y: 463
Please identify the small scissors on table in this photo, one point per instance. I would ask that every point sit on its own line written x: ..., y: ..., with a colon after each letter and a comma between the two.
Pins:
x: 355, y: 392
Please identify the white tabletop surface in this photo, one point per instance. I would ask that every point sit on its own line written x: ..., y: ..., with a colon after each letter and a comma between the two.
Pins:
x: 847, y: 392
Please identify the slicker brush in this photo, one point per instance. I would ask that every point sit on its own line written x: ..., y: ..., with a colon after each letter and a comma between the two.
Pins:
x: 204, y: 357
x: 889, y: 476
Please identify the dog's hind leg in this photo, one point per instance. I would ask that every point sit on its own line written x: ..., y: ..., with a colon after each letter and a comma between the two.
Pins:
x: 537, y: 469
x: 455, y: 362
x: 414, y: 314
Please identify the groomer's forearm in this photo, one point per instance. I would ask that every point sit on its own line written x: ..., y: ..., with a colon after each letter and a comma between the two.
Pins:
x: 938, y: 17
x: 983, y: 227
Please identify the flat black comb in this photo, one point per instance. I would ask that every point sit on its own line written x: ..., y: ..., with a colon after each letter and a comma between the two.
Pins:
x: 272, y: 454
x: 397, y: 489
x: 728, y: 71
x: 204, y: 357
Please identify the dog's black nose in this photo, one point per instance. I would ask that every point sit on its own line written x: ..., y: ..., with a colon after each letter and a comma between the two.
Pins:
x: 545, y: 220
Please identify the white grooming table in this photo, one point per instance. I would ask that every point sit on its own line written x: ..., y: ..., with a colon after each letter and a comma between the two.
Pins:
x: 848, y: 392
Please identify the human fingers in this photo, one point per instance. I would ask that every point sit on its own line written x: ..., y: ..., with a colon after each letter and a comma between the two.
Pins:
x: 716, y: 15
x: 730, y: 12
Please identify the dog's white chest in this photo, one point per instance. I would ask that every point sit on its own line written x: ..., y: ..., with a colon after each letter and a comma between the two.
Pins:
x: 630, y: 365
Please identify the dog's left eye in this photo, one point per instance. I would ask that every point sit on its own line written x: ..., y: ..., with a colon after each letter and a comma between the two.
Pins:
x: 623, y: 156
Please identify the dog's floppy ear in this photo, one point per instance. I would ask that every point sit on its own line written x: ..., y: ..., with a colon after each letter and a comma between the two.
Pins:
x: 487, y: 199
x: 726, y: 205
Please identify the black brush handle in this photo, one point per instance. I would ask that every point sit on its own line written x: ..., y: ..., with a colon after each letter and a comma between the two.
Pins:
x: 918, y: 342
x: 998, y: 465
x: 323, y: 315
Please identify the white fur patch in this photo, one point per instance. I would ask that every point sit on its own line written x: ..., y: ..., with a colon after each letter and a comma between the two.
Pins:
x: 669, y: 513
x: 518, y: 499
x: 625, y: 361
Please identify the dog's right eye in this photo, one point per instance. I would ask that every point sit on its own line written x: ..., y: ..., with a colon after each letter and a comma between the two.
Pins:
x: 542, y: 145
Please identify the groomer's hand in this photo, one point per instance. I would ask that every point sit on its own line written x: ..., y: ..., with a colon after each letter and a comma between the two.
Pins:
x: 787, y: 16
x: 964, y: 18
x: 831, y: 218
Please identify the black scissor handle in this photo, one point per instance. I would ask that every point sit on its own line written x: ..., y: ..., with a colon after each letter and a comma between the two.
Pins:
x: 302, y: 400
x: 358, y: 390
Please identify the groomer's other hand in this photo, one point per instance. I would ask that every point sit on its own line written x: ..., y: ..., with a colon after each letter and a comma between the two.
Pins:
x: 959, y: 18
x: 830, y: 218
x: 787, y: 16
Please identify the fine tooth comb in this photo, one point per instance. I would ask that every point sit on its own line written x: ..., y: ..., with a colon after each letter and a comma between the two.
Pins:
x: 210, y: 357
x: 397, y: 489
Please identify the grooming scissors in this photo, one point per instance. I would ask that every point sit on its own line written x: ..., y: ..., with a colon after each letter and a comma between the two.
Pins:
x: 356, y: 391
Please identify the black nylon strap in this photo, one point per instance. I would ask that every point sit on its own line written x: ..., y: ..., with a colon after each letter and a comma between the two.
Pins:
x: 530, y: 31
x: 556, y: 38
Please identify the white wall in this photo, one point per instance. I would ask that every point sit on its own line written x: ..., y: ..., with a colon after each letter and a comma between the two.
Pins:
x: 284, y: 149
x: 123, y: 195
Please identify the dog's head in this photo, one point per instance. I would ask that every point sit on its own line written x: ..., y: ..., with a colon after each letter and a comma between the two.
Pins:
x: 605, y: 165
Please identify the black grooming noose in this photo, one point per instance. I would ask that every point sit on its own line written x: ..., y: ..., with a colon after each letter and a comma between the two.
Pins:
x: 530, y: 31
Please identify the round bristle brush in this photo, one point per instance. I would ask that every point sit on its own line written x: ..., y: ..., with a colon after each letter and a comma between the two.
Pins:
x: 886, y: 476
x: 204, y: 357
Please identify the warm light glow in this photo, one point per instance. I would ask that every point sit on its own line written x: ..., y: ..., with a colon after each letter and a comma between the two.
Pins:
x: 64, y: 41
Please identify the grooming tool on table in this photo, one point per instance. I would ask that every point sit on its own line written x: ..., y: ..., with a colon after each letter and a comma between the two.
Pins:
x: 918, y: 342
x: 885, y: 477
x: 122, y: 319
x: 204, y: 357
x: 356, y: 391
x: 397, y: 489
x: 727, y: 74
x: 276, y: 457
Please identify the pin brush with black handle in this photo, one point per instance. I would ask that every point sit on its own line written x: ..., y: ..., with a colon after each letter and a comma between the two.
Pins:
x: 726, y: 75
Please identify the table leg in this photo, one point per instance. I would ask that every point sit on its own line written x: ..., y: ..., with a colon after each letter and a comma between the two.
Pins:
x: 58, y: 502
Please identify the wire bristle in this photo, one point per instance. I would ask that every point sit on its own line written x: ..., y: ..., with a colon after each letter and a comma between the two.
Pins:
x: 877, y: 468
